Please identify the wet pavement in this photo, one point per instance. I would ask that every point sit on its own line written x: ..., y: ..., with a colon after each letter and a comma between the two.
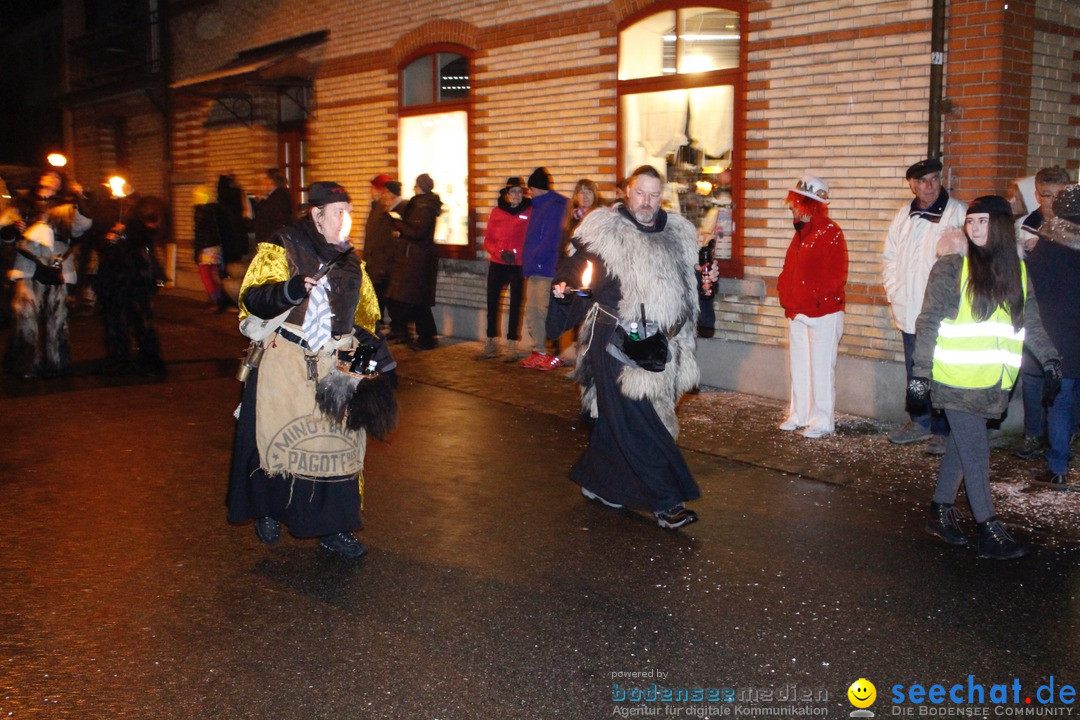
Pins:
x: 492, y: 589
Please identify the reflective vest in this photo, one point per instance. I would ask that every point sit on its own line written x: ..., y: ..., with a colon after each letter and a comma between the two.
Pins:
x: 974, y: 354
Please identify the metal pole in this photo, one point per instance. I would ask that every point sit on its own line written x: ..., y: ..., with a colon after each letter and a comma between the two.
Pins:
x: 937, y: 72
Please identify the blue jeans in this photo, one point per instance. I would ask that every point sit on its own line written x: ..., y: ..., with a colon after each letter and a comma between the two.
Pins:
x: 1059, y: 426
x: 934, y: 420
x: 1031, y: 393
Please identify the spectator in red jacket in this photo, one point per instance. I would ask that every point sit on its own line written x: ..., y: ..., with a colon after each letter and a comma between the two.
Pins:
x: 504, y: 239
x: 811, y: 289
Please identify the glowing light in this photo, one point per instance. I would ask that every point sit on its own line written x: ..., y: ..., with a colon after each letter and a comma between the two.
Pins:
x: 704, y: 187
x: 346, y: 226
x: 586, y: 276
x: 56, y: 160
x: 119, y: 186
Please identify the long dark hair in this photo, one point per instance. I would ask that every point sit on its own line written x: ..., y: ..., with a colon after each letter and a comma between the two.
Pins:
x: 994, y: 273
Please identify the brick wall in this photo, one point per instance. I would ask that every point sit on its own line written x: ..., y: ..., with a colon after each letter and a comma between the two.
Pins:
x: 838, y: 90
x: 834, y: 88
x: 1054, y: 125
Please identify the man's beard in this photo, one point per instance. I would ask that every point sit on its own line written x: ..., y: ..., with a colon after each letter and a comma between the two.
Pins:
x: 645, y: 216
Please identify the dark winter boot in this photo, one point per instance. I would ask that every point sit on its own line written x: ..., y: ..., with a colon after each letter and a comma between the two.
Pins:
x: 995, y: 542
x: 942, y: 524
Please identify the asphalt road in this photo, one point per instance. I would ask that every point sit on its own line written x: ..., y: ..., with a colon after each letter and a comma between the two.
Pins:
x: 492, y: 589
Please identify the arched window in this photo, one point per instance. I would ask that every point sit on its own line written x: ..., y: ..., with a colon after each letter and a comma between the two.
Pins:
x: 681, y: 99
x: 433, y: 137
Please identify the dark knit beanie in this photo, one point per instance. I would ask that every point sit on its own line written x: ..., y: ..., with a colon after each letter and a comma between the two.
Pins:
x: 425, y: 183
x: 991, y: 205
x: 393, y: 187
x: 540, y: 179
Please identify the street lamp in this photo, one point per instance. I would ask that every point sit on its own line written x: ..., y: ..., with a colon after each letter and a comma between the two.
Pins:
x: 57, y: 160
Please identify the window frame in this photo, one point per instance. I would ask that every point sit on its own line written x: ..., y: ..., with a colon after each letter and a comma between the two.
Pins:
x: 467, y: 251
x: 735, y: 77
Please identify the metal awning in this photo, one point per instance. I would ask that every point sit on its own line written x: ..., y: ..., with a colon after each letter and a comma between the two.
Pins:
x: 281, y: 65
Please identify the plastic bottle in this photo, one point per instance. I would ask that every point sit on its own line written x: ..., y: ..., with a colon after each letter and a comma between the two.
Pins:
x: 634, y: 331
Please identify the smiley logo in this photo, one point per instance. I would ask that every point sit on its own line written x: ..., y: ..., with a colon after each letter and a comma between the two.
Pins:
x: 862, y: 693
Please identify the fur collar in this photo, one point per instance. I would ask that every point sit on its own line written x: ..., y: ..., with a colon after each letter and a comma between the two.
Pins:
x: 655, y: 268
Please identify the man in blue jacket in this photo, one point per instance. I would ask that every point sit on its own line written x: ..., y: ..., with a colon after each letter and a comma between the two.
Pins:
x: 539, y: 257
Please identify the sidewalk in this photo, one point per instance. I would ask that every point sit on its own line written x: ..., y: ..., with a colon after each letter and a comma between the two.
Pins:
x: 742, y: 428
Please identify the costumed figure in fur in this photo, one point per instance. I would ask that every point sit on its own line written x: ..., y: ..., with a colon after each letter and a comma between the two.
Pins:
x: 635, y: 349
x: 42, y: 270
x: 324, y: 381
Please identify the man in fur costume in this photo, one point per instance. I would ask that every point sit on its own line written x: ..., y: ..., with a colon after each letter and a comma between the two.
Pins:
x: 635, y: 349
x: 42, y: 270
x: 324, y: 381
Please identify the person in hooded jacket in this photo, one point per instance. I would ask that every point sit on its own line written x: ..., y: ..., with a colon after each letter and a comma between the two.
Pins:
x: 503, y: 240
x: 416, y: 265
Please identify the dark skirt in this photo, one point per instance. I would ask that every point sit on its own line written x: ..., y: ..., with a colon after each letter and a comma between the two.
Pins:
x: 631, y: 459
x: 309, y: 507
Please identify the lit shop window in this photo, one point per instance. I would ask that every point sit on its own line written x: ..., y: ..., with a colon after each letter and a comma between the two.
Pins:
x: 437, y: 144
x: 680, y: 89
x: 433, y: 138
x: 707, y: 39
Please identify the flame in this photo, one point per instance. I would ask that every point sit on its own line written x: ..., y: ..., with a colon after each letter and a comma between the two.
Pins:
x: 346, y: 227
x: 119, y: 186
x: 586, y: 276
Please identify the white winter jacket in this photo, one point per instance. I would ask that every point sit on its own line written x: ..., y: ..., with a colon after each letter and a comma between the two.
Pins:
x: 910, y: 253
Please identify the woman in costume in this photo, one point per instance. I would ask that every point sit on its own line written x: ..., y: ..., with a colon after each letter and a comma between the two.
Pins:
x: 323, y: 382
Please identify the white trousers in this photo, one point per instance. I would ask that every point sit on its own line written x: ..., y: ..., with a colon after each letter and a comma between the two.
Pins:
x: 812, y: 344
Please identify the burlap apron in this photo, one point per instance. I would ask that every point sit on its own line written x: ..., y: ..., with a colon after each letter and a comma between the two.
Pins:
x: 292, y: 434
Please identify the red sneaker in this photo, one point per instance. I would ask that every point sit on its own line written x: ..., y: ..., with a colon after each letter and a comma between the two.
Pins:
x: 549, y: 362
x: 532, y: 360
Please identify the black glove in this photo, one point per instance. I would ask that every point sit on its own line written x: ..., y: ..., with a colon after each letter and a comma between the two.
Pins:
x: 918, y: 395
x: 1051, y: 382
x: 54, y: 275
x: 508, y: 256
x: 296, y: 288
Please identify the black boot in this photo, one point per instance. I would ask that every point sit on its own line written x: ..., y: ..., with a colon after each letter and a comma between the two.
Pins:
x: 995, y: 542
x: 942, y: 524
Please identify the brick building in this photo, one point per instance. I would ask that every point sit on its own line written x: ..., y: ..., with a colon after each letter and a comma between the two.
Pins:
x: 474, y: 92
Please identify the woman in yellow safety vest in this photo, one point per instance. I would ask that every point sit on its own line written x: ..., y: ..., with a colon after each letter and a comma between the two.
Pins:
x: 978, y: 313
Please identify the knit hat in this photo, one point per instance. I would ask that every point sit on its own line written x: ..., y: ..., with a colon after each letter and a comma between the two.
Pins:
x: 380, y: 180
x: 514, y: 182
x: 813, y: 187
x: 923, y: 167
x: 991, y: 204
x: 540, y: 179
x: 425, y: 183
x: 324, y: 193
x: 393, y: 187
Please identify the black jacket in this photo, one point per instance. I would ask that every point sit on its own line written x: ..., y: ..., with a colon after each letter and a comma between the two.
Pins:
x: 416, y: 261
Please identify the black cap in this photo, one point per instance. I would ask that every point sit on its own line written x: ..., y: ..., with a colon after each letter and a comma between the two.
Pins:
x: 991, y: 204
x: 923, y: 167
x: 540, y: 179
x: 393, y: 187
x: 324, y: 193
x: 514, y: 182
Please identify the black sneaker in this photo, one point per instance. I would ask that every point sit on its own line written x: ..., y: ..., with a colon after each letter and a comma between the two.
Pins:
x: 1031, y: 449
x: 344, y: 544
x: 995, y: 542
x: 674, y: 518
x: 268, y: 530
x: 942, y: 524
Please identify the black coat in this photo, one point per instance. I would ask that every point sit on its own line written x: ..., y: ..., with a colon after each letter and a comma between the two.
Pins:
x: 273, y: 213
x: 416, y: 262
